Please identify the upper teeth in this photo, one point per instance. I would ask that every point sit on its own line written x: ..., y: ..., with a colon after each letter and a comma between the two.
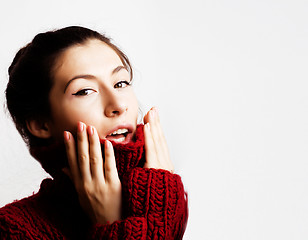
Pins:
x: 120, y: 131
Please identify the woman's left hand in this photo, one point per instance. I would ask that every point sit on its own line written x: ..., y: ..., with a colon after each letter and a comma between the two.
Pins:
x: 156, y: 149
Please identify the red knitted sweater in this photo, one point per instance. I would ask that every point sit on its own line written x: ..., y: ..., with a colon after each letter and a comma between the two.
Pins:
x: 154, y: 202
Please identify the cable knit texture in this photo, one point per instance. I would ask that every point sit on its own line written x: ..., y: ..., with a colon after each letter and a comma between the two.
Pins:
x: 154, y: 202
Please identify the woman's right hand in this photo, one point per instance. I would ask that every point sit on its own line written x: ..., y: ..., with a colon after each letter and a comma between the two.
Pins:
x: 97, y: 183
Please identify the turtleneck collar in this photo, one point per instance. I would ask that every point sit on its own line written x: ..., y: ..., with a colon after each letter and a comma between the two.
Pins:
x: 53, y: 157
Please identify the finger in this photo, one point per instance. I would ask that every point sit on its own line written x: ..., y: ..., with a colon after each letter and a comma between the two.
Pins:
x: 146, y: 118
x: 159, y: 140
x: 110, y: 168
x: 150, y: 152
x: 160, y: 133
x: 95, y: 154
x: 83, y: 152
x: 156, y: 135
x: 162, y: 140
x: 158, y: 125
x: 71, y: 156
x: 160, y: 143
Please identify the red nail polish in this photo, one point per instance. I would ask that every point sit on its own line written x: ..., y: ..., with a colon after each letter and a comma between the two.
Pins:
x: 80, y: 126
x: 66, y: 136
x: 90, y: 130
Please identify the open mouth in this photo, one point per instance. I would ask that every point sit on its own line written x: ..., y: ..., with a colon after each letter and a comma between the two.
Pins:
x: 122, y: 135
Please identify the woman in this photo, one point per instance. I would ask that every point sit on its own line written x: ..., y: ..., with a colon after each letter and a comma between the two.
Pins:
x: 70, y: 96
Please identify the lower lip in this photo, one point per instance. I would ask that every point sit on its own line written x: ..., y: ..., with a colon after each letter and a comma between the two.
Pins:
x: 118, y: 139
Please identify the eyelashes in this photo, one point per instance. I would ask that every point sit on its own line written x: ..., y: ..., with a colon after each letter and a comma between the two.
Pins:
x: 122, y: 84
x: 84, y: 92
x: 88, y: 91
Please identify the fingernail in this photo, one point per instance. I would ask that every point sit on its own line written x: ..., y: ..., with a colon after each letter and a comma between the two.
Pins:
x: 148, y: 126
x: 80, y: 126
x: 107, y: 143
x: 66, y: 136
x: 90, y: 130
x: 152, y: 112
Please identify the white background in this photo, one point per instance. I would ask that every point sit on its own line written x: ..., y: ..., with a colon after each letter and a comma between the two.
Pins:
x: 230, y: 81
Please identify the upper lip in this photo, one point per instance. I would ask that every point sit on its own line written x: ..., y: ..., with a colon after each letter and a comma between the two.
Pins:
x: 129, y: 127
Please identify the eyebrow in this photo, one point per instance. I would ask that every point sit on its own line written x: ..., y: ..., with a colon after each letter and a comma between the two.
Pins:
x: 91, y: 77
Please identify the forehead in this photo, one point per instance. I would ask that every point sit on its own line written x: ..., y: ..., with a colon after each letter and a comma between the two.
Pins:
x: 93, y: 56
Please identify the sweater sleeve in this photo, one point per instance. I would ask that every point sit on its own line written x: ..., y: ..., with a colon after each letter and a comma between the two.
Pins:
x: 159, y: 196
x: 19, y: 222
x: 131, y: 228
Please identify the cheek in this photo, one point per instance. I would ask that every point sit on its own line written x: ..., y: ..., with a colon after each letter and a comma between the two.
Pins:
x: 66, y: 117
x: 134, y: 106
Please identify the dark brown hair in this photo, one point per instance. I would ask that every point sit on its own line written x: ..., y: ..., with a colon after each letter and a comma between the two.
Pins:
x: 30, y: 75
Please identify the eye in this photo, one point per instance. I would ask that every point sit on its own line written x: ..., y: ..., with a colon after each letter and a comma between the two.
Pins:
x: 84, y: 92
x: 122, y: 84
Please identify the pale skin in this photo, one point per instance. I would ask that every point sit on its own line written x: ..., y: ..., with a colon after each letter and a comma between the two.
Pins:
x: 90, y: 98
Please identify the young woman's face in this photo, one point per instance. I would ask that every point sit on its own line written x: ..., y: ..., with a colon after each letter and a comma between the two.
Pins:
x: 92, y: 85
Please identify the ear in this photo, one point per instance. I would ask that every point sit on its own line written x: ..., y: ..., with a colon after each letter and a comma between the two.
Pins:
x: 39, y: 129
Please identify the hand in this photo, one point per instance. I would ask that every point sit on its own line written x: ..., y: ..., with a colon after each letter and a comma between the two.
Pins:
x: 156, y: 149
x: 97, y: 183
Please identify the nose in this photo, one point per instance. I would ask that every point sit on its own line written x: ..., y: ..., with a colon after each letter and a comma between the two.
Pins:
x: 115, y: 104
